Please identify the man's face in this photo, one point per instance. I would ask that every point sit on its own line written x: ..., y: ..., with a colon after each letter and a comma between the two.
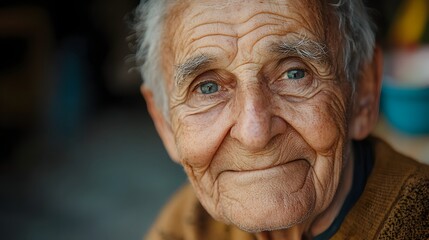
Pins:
x: 258, y: 113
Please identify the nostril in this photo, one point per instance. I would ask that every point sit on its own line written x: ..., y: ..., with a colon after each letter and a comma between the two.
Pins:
x: 255, y: 122
x: 255, y: 133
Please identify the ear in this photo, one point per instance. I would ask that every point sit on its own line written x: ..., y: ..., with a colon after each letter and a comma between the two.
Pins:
x: 162, y: 126
x: 367, y: 97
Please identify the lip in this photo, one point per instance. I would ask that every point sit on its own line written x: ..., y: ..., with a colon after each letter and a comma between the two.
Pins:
x: 265, y: 168
x: 295, y: 168
x: 281, y: 151
x: 290, y: 177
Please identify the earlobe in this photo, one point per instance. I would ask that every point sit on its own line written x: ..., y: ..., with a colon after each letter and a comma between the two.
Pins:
x: 367, y: 97
x: 162, y: 126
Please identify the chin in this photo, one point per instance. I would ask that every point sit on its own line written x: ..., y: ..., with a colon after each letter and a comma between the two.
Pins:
x: 269, y: 207
x: 278, y: 218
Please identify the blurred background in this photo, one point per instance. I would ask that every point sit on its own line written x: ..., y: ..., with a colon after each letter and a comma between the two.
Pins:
x: 80, y: 158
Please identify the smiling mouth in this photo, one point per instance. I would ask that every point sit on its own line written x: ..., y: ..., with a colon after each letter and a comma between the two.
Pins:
x: 266, y: 168
x: 291, y: 176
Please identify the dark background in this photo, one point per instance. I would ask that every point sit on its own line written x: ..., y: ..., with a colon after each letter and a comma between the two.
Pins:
x: 80, y: 158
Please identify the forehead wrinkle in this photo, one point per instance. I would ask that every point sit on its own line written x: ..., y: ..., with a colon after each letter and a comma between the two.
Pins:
x: 308, y: 17
x: 252, y: 47
x: 193, y: 40
x: 212, y: 24
x: 288, y: 25
x: 249, y: 67
x: 230, y: 29
x: 215, y: 19
x: 237, y: 38
x: 275, y: 19
x: 240, y: 29
x: 255, y: 28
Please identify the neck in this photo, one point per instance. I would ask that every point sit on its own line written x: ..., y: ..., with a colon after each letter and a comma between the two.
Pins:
x: 321, y: 222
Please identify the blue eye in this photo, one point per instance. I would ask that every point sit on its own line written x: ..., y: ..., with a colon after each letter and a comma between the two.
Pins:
x: 295, y: 74
x: 208, y: 87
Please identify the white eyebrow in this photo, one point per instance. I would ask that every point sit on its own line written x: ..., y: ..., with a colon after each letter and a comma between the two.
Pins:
x: 191, y: 67
x: 304, y: 48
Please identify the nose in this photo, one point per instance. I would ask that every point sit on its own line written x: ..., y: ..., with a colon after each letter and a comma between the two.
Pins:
x: 256, y: 123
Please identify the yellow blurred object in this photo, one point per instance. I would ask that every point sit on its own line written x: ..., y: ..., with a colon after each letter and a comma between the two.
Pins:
x: 410, y: 23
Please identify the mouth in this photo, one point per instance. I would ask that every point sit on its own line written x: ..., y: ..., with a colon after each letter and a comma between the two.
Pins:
x: 293, y: 174
x: 267, y: 168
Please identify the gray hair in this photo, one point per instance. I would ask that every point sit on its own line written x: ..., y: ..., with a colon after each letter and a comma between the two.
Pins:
x: 354, y: 23
x: 359, y: 36
x: 149, y: 27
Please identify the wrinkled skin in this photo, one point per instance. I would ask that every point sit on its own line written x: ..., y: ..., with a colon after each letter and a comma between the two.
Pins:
x: 263, y: 148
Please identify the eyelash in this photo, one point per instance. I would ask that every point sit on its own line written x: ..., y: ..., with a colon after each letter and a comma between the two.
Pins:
x: 296, y: 69
x: 198, y: 86
x: 293, y: 65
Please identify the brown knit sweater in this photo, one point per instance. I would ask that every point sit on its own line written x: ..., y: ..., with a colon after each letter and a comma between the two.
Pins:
x: 394, y: 205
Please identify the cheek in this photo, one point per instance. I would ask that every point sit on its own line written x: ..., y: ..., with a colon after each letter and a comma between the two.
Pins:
x: 198, y: 137
x: 321, y: 122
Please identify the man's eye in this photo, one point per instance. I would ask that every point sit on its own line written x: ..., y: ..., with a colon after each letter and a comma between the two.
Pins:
x: 295, y: 74
x: 208, y: 87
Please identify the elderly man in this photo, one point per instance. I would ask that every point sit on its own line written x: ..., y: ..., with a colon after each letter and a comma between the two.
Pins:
x: 268, y: 106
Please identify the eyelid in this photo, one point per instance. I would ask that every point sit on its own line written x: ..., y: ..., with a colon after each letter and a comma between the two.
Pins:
x: 290, y: 63
x: 294, y: 62
x: 200, y: 79
x: 294, y: 68
x: 199, y: 84
x: 289, y: 86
